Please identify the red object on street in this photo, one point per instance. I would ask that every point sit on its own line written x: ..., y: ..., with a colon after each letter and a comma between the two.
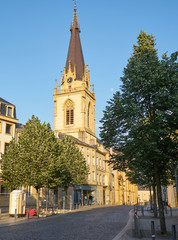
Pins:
x: 32, y: 213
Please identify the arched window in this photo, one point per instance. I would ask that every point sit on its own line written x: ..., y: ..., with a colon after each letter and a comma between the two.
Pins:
x: 89, y: 115
x: 69, y: 108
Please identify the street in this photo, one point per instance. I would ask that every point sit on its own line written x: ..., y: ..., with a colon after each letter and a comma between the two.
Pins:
x: 99, y: 223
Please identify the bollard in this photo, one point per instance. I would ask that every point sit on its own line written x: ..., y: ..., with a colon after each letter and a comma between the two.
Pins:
x: 28, y: 213
x: 137, y: 225
x: 135, y: 209
x: 153, y: 230
x: 0, y: 213
x: 174, y: 232
x: 171, y: 211
x: 15, y: 213
x: 142, y: 209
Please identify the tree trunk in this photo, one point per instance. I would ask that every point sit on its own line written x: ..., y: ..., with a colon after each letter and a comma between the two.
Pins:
x: 151, y: 199
x: 160, y: 201
x: 65, y: 190
x: 154, y: 201
x: 37, y: 200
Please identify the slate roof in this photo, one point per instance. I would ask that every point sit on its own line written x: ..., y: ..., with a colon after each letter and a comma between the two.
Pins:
x: 3, y: 103
x: 19, y: 126
x: 77, y: 141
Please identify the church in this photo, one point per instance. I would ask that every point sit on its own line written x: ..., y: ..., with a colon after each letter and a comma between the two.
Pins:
x: 74, y: 115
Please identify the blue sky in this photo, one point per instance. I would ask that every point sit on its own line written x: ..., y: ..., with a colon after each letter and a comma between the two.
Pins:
x: 34, y: 40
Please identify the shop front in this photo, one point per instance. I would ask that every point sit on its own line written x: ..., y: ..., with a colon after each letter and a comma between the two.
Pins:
x: 85, y: 195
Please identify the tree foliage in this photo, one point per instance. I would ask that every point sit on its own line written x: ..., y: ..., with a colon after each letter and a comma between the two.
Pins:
x: 31, y: 160
x: 144, y: 116
x: 71, y: 168
x: 38, y: 152
x: 40, y: 160
x: 11, y: 166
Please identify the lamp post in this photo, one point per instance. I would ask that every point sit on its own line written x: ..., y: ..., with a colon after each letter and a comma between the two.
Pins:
x: 175, y: 169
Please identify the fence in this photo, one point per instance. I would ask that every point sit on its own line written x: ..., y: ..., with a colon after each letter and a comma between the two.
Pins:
x: 4, y: 202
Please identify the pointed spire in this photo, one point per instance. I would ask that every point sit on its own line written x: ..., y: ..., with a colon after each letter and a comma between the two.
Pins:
x: 75, y: 22
x: 75, y: 54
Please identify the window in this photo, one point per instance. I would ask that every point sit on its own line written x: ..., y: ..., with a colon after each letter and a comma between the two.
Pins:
x: 5, y: 147
x: 69, y: 117
x: 93, y: 161
x: 93, y: 175
x: 103, y: 177
x: 88, y: 160
x: 69, y: 113
x: 106, y: 180
x: 9, y: 111
x: 89, y: 176
x: 0, y: 127
x: 8, y: 129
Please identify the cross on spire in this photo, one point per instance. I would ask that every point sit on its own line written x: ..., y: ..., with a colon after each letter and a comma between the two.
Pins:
x: 75, y: 1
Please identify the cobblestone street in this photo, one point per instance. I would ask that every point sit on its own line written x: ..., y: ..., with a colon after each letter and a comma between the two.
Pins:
x: 101, y: 223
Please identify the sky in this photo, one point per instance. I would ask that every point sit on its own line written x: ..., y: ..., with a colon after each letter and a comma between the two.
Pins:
x: 34, y: 41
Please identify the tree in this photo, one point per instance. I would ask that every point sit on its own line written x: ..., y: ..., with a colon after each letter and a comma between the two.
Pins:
x: 10, y: 166
x: 32, y: 159
x: 144, y: 116
x: 71, y: 168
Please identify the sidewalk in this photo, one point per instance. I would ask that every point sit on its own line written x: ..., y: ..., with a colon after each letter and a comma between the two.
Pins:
x: 145, y: 226
x: 5, y: 219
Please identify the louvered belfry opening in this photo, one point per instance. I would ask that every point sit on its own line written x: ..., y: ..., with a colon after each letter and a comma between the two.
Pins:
x: 69, y: 112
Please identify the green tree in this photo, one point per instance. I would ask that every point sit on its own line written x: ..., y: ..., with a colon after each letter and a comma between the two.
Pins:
x: 144, y: 116
x: 38, y: 152
x: 71, y: 168
x: 11, y: 166
x: 31, y: 161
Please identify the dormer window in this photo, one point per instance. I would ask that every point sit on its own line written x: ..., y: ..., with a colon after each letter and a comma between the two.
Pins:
x: 9, y: 111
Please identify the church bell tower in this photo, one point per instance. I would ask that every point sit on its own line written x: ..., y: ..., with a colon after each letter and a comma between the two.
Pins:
x: 74, y: 98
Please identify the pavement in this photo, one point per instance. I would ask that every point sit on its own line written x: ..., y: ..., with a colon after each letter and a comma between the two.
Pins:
x: 128, y: 232
x: 144, y: 226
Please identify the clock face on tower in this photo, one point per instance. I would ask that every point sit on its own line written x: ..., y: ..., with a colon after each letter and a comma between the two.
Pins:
x: 69, y: 80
